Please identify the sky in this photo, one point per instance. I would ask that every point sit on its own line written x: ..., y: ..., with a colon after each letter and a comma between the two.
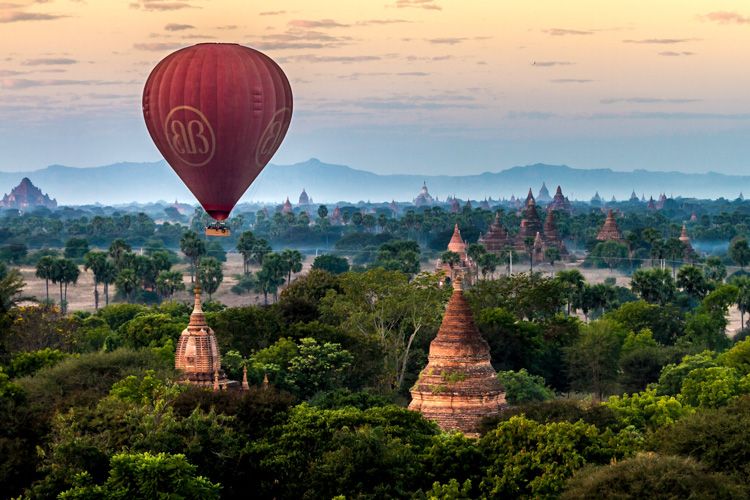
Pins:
x: 400, y: 86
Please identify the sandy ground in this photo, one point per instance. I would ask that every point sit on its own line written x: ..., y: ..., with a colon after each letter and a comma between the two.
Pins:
x: 81, y: 295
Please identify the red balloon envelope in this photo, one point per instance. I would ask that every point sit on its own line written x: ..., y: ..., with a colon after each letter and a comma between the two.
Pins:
x: 217, y: 113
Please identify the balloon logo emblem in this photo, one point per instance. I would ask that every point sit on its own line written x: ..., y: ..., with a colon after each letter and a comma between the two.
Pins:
x: 272, y: 137
x: 190, y: 135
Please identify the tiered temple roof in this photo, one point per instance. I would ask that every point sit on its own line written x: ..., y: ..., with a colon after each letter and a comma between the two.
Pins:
x: 651, y: 203
x: 560, y: 202
x: 458, y: 387
x: 596, y: 200
x: 496, y: 239
x: 303, y: 198
x: 286, y: 208
x: 543, y: 196
x: 551, y: 236
x: 27, y: 195
x: 424, y: 198
x: 466, y: 268
x: 455, y: 206
x: 530, y: 224
x: 685, y: 239
x: 609, y: 231
x: 633, y: 197
x: 197, y: 355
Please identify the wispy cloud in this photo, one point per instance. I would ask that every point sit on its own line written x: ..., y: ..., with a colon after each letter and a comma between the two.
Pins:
x: 161, y: 5
x: 158, y: 46
x: 566, y: 32
x: 413, y: 73
x: 549, y: 64
x: 724, y: 17
x: 49, y: 61
x: 530, y: 115
x: 320, y: 23
x: 662, y: 41
x: 9, y: 72
x: 418, y: 4
x: 272, y: 13
x: 312, y: 58
x: 16, y: 16
x: 670, y: 53
x: 370, y: 22
x: 178, y: 27
x: 227, y: 27
x: 571, y: 80
x: 23, y: 83
x: 446, y: 40
x: 647, y: 100
x: 300, y: 39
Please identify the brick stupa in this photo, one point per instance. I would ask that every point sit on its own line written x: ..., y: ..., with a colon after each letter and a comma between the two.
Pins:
x: 458, y: 387
x: 609, y: 231
x: 197, y: 356
x: 496, y: 239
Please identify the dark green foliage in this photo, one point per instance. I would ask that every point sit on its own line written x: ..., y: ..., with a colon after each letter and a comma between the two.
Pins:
x: 28, y: 363
x: 331, y: 263
x: 719, y: 438
x: 651, y: 476
x: 522, y: 387
x: 246, y: 329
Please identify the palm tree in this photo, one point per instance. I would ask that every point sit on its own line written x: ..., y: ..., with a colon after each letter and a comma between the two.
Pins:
x: 117, y: 250
x: 64, y: 273
x: 194, y: 248
x: 107, y: 277
x: 11, y: 285
x: 245, y: 245
x: 95, y: 261
x: 127, y: 282
x: 44, y: 270
x: 292, y: 263
x: 743, y: 297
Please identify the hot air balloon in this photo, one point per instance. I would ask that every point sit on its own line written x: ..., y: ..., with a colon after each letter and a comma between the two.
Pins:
x: 217, y: 113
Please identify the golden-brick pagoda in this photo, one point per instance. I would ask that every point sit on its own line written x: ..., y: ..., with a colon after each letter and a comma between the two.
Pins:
x: 465, y: 267
x: 609, y: 231
x: 197, y: 356
x: 458, y: 387
x: 496, y: 239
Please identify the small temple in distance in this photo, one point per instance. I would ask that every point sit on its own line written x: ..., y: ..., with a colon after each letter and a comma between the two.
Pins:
x: 466, y: 268
x: 458, y: 388
x: 610, y: 231
x: 26, y: 195
x: 424, y: 198
x: 197, y: 355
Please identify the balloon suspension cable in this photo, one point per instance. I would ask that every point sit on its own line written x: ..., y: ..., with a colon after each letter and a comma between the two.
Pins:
x: 218, y: 228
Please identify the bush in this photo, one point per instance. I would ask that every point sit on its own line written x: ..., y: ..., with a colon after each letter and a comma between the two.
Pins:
x: 651, y: 476
x: 522, y: 387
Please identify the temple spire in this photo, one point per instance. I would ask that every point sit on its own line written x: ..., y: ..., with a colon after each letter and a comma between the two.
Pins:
x: 245, y: 385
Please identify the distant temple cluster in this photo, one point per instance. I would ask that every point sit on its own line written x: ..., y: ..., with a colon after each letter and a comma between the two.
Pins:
x: 25, y: 196
x: 532, y: 233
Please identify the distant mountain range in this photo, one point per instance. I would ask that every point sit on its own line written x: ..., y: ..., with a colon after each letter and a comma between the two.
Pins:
x: 148, y: 182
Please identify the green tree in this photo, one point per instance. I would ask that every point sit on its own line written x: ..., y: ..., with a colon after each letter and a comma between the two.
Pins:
x: 96, y: 263
x: 118, y: 250
x: 194, y: 248
x: 270, y: 276
x: 612, y: 253
x: 399, y: 256
x: 573, y: 283
x: 715, y: 270
x: 691, y: 280
x: 488, y: 263
x: 143, y: 475
x: 593, y: 361
x: 65, y: 273
x: 107, y: 277
x: 292, y: 260
x: 210, y: 275
x: 653, y: 285
x: 245, y: 244
x: 168, y: 283
x: 322, y: 211
x: 523, y: 387
x: 552, y: 255
x: 648, y: 475
x: 318, y: 367
x: 44, y: 270
x: 739, y: 251
x: 743, y: 297
x: 76, y: 248
x: 331, y: 263
x: 260, y: 250
x: 127, y: 283
x: 674, y: 251
x: 11, y: 286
